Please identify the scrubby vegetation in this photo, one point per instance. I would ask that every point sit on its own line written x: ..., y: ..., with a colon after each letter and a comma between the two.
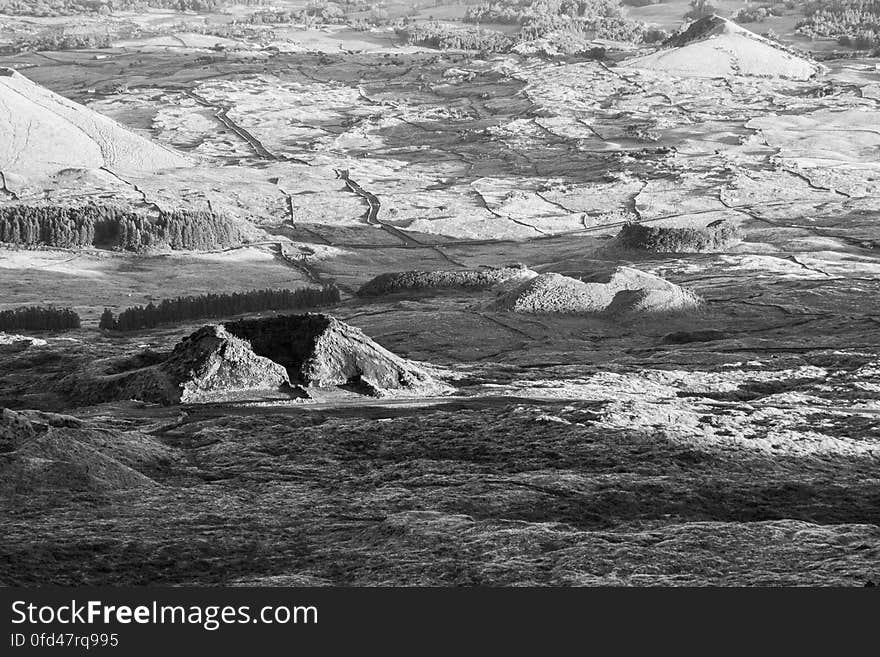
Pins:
x: 533, y: 12
x: 38, y: 318
x: 568, y: 25
x: 73, y: 7
x: 700, y: 9
x: 313, y: 13
x: 854, y: 23
x: 434, y: 34
x: 756, y: 14
x: 217, y: 305
x: 468, y: 279
x: 114, y: 227
x: 659, y: 239
x: 60, y: 39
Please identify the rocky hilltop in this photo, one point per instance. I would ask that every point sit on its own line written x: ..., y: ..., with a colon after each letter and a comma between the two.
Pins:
x: 213, y: 362
x: 257, y: 358
x: 716, y: 47
x: 318, y: 350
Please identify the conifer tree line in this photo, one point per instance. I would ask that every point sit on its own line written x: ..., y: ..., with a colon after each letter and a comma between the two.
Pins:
x: 217, y: 305
x: 38, y: 318
x: 114, y: 227
x: 104, y: 7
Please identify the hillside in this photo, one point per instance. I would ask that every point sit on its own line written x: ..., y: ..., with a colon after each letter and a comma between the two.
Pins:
x: 42, y: 132
x: 716, y: 47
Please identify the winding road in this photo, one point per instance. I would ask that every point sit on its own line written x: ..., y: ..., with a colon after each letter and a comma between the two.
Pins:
x: 222, y: 114
x: 371, y: 216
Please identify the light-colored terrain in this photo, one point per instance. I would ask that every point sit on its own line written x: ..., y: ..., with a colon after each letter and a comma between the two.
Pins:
x: 43, y: 132
x: 734, y: 441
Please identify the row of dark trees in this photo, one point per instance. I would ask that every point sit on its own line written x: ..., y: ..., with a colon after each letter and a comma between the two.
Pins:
x: 74, y: 7
x: 179, y: 229
x: 434, y: 34
x: 55, y: 39
x: 113, y: 227
x: 602, y: 19
x: 568, y: 25
x: 38, y: 318
x: 217, y: 305
x: 522, y: 12
x: 854, y: 23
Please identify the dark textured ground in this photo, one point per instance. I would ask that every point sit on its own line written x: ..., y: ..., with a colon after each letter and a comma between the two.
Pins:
x: 501, y: 494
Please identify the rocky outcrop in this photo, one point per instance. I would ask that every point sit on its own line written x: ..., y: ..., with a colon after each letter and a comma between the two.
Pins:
x: 277, y: 357
x: 209, y: 365
x: 612, y: 292
x: 318, y: 350
x: 213, y: 361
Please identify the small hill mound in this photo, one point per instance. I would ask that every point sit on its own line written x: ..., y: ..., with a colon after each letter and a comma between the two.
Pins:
x: 259, y: 358
x: 209, y: 365
x: 716, y: 47
x: 318, y: 350
x: 717, y: 236
x: 42, y: 132
x: 41, y: 452
x: 555, y: 293
x: 645, y: 302
x: 622, y: 289
x: 467, y: 279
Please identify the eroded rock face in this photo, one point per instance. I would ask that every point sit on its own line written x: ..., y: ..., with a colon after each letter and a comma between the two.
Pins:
x: 320, y: 351
x: 209, y: 365
x: 212, y: 361
x: 259, y: 358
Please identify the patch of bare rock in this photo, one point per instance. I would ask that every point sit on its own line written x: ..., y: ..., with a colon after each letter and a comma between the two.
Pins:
x: 281, y: 356
x: 467, y: 279
x: 618, y: 291
x: 10, y: 343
